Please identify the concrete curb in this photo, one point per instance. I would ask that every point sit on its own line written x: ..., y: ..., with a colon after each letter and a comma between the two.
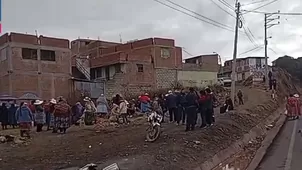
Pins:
x: 268, y: 140
x: 224, y: 154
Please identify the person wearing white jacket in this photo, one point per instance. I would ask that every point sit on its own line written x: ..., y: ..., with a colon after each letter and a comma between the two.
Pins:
x: 123, y: 110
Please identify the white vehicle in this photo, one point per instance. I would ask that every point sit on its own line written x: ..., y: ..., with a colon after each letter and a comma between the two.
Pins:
x: 225, y: 81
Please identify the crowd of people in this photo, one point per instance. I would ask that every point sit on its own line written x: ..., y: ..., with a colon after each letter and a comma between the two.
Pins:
x: 183, y: 107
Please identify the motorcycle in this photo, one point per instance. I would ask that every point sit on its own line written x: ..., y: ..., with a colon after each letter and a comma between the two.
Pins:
x: 153, y: 130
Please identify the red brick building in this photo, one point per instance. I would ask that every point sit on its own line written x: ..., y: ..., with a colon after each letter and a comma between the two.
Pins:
x: 130, y: 68
x: 50, y: 67
x: 40, y: 65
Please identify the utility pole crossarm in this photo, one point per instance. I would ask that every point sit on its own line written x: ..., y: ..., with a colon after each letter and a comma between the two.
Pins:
x: 267, y: 20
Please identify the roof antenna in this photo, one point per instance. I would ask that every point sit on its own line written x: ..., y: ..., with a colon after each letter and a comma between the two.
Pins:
x: 121, y: 41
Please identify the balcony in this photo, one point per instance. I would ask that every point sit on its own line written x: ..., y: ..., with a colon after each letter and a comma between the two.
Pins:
x: 106, y: 60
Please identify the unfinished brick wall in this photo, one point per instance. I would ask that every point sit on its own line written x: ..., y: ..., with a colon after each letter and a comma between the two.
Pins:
x: 54, y: 42
x: 165, y: 78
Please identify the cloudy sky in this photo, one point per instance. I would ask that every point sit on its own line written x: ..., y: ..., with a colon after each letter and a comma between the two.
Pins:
x: 138, y: 19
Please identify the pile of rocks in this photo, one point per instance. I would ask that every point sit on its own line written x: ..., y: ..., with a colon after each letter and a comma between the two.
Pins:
x: 11, y: 139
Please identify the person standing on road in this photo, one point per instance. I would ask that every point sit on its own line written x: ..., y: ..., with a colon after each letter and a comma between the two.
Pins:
x: 24, y: 118
x: 171, y: 104
x: 240, y: 97
x: 4, y: 116
x: 144, y: 102
x: 12, y: 115
x: 40, y: 116
x: 62, y: 115
x: 209, y: 107
x: 191, y: 109
x: 89, y: 111
x: 202, y: 108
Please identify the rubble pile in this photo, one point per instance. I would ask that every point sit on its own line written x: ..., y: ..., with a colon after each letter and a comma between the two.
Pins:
x: 11, y: 139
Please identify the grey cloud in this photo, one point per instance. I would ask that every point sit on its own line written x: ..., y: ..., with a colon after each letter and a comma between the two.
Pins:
x: 137, y: 19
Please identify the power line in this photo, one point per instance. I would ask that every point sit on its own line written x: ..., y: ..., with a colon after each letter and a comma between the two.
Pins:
x: 180, y: 6
x: 203, y: 20
x: 280, y: 13
x: 226, y: 4
x: 248, y: 32
x: 253, y: 49
x: 255, y: 2
x: 223, y: 9
x: 263, y: 5
x: 273, y: 51
x: 184, y: 49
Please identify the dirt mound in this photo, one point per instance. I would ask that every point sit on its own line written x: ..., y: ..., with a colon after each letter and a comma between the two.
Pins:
x: 286, y: 83
x: 248, y: 81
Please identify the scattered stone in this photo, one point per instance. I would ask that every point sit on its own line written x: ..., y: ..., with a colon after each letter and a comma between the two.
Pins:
x: 197, y: 142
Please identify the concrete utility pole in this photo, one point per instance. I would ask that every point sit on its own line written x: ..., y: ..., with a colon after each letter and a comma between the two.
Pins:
x: 233, y: 88
x: 267, y: 20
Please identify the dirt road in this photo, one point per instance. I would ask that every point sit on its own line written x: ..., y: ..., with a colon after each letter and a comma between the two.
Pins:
x: 175, y: 149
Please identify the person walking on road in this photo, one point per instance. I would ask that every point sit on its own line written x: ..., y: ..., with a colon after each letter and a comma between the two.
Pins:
x: 293, y: 107
x: 191, y: 109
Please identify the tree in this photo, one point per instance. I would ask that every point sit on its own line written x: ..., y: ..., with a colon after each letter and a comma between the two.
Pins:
x: 291, y: 65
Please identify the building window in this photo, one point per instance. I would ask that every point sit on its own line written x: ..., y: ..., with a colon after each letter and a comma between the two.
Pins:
x: 165, y: 52
x: 140, y: 68
x: 29, y: 54
x: 48, y: 55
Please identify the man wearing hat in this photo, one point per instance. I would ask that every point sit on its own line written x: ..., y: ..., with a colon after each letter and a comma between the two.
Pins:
x: 39, y: 115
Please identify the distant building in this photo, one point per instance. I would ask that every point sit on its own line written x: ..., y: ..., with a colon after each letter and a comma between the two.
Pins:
x: 40, y: 65
x: 245, y: 67
x: 199, y: 71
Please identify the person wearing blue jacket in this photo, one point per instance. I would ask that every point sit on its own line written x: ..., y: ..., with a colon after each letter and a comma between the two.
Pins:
x: 24, y: 117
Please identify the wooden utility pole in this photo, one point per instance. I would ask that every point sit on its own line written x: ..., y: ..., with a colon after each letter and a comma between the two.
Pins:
x: 267, y: 20
x: 233, y: 88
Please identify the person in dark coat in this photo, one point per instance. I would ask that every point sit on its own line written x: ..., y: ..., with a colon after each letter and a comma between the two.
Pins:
x: 4, y: 116
x: 240, y: 97
x: 191, y: 109
x: 202, y: 107
x: 171, y: 104
x: 11, y: 115
x: 209, y: 107
x: 179, y: 108
x: 182, y: 102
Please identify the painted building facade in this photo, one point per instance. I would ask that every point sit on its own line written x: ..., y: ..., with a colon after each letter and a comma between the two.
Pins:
x: 245, y: 67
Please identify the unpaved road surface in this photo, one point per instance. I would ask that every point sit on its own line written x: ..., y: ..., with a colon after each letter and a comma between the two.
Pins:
x: 175, y: 149
x: 286, y: 151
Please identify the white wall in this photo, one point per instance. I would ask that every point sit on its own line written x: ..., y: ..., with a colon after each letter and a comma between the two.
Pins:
x: 196, y: 78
